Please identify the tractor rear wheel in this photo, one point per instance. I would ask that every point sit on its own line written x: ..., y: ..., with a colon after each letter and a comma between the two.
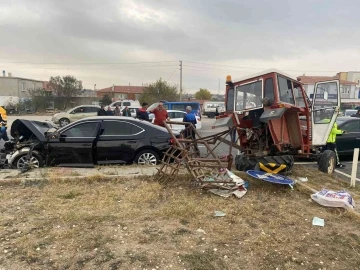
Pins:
x: 327, y: 162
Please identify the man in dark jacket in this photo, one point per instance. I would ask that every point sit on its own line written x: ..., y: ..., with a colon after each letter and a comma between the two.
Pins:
x: 142, y: 112
x: 101, y: 112
x: 126, y: 111
x: 109, y: 112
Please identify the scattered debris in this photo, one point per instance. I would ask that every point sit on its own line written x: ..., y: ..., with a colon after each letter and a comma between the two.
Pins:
x: 334, y: 198
x: 210, y: 172
x: 219, y: 214
x: 200, y: 231
x: 272, y: 178
x: 302, y: 179
x: 318, y: 222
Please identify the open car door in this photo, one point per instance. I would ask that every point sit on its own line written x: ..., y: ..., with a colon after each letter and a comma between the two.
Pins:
x: 325, y: 109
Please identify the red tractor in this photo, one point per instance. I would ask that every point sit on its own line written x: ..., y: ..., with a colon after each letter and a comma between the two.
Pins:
x: 275, y: 120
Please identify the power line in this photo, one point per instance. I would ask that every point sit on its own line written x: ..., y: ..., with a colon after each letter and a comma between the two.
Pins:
x: 94, y: 68
x: 86, y: 63
x: 215, y: 69
x: 172, y: 74
x: 245, y: 67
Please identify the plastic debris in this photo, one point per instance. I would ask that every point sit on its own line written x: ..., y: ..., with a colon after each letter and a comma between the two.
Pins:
x: 270, y: 177
x: 333, y: 198
x: 302, y: 179
x: 318, y: 222
x: 219, y: 214
x: 237, y: 189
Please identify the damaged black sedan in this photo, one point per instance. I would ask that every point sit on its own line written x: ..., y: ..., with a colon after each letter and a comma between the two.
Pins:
x: 90, y: 141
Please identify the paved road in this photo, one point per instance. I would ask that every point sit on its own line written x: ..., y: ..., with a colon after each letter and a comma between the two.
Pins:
x: 206, y: 130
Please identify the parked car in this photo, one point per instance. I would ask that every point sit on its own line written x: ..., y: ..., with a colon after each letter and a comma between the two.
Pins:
x: 209, y: 108
x: 177, y: 116
x: 74, y: 114
x: 95, y: 140
x: 346, y: 143
x: 350, y: 112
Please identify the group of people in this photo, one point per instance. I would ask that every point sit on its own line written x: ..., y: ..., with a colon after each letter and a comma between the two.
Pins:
x: 160, y: 113
x: 116, y: 112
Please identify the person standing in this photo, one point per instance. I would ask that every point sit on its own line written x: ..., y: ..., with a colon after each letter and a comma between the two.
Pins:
x: 189, y: 117
x: 101, y: 111
x: 126, y: 112
x: 142, y: 113
x: 331, y: 143
x: 117, y: 111
x: 189, y: 132
x: 109, y: 112
x: 160, y: 114
x: 3, y: 124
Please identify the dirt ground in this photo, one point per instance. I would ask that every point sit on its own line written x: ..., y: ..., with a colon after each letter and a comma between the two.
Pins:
x: 140, y: 224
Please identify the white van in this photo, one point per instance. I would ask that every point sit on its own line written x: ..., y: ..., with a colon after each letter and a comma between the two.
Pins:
x: 209, y: 108
x: 123, y: 103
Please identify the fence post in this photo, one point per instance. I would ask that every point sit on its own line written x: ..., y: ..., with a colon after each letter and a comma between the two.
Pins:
x: 354, y: 167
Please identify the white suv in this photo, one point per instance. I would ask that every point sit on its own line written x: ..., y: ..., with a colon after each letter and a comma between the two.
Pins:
x: 123, y: 103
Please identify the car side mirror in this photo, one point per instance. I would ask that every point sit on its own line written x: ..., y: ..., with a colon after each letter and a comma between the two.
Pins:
x: 62, y: 137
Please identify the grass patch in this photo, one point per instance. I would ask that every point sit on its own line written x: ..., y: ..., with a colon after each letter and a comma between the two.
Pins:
x: 70, y: 195
x: 203, y: 261
x: 114, y: 223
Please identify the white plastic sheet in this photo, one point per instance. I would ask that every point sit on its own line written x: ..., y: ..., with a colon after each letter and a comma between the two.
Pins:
x: 331, y: 198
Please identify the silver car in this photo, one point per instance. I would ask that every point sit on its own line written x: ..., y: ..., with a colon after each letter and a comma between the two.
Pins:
x: 64, y: 118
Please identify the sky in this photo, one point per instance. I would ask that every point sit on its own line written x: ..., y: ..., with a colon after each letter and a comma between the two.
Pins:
x: 106, y: 42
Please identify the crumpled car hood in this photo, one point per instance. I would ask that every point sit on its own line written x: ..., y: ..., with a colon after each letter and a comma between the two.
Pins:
x: 27, y: 128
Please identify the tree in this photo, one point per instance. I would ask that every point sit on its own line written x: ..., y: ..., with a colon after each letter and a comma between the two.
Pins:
x: 65, y: 88
x: 203, y: 94
x: 159, y: 90
x: 106, y: 100
x: 39, y: 98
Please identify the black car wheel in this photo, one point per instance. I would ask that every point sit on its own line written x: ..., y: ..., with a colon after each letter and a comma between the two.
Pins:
x: 64, y: 122
x: 147, y: 157
x: 36, y: 161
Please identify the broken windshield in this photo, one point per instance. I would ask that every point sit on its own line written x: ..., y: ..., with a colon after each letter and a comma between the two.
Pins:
x: 248, y: 96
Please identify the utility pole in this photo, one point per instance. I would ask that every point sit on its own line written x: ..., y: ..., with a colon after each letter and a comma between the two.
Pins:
x: 180, y: 80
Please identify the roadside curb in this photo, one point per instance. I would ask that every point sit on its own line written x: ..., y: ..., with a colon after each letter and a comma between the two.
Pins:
x: 75, y: 177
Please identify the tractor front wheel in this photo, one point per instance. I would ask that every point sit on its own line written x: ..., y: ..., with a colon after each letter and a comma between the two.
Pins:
x: 327, y: 162
x: 244, y: 163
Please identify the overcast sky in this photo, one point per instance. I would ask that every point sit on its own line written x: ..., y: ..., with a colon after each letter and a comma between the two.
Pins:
x: 110, y: 42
